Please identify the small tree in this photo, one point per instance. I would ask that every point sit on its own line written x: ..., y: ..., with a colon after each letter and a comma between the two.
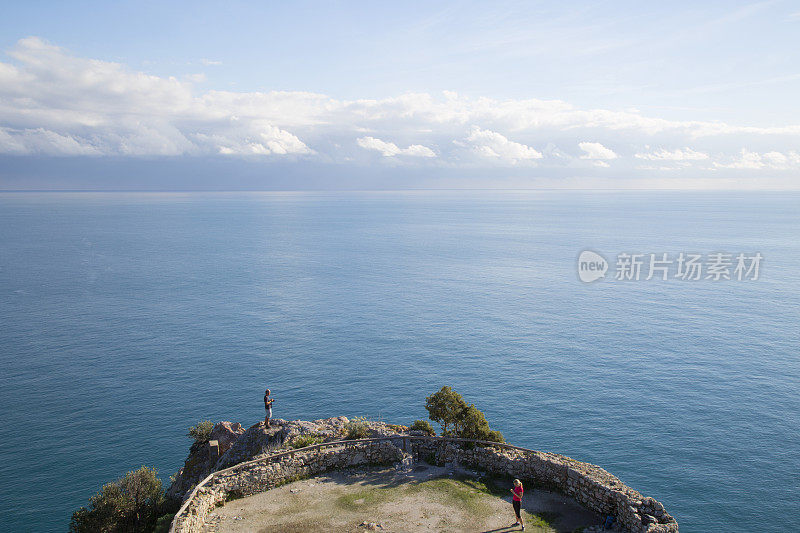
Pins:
x: 458, y: 418
x: 445, y: 408
x: 201, y: 433
x: 475, y: 426
x: 130, y: 504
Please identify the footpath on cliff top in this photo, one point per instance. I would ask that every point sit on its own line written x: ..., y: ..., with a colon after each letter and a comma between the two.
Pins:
x: 426, y: 498
x: 416, y: 497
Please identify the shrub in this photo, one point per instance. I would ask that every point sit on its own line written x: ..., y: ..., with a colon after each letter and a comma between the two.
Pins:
x: 357, y: 428
x: 301, y: 441
x: 457, y: 418
x: 424, y: 426
x: 163, y: 523
x: 201, y: 433
x: 133, y: 503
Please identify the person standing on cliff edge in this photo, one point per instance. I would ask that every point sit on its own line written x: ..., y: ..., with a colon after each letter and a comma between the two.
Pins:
x: 268, y: 407
x: 516, y: 500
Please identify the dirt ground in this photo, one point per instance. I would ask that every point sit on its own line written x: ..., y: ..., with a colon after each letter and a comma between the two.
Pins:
x: 426, y: 498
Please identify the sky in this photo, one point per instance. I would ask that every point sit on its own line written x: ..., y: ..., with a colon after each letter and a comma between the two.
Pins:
x: 379, y: 95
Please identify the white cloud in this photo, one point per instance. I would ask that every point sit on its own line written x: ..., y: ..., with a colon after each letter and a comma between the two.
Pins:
x: 749, y: 160
x: 685, y: 154
x: 493, y: 145
x: 596, y: 151
x: 388, y: 149
x: 210, y: 62
x: 254, y: 138
x: 52, y: 102
x: 42, y: 141
x: 60, y: 104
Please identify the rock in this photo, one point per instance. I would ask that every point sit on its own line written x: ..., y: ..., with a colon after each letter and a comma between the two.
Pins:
x: 198, y: 464
x: 258, y: 439
x: 226, y: 433
x: 237, y: 445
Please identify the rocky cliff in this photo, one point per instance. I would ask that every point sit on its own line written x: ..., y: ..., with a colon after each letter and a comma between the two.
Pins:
x: 236, y: 445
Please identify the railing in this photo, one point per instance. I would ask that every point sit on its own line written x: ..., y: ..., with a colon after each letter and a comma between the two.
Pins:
x: 289, y: 453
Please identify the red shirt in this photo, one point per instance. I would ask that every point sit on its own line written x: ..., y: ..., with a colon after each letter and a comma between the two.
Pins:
x: 518, y: 493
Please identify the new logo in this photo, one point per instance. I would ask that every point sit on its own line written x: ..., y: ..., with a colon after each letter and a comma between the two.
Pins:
x: 591, y: 266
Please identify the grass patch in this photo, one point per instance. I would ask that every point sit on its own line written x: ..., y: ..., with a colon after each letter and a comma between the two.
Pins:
x: 309, y: 439
x: 542, y: 522
x: 467, y: 494
x: 364, y: 498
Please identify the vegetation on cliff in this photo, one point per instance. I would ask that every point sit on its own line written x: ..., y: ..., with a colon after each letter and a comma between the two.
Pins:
x: 138, y: 503
x: 459, y: 419
x: 423, y: 426
x: 132, y: 504
x: 201, y: 433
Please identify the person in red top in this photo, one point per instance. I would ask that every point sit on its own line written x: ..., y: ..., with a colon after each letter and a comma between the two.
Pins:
x: 516, y: 500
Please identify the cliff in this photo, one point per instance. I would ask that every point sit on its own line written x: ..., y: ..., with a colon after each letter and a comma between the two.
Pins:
x: 236, y: 445
x: 260, y: 458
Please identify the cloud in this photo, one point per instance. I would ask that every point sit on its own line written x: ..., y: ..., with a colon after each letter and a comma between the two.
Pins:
x: 55, y: 103
x: 493, y: 145
x: 749, y: 160
x: 388, y: 149
x: 210, y: 63
x: 253, y: 138
x: 63, y: 105
x: 42, y: 141
x: 685, y: 154
x: 596, y: 151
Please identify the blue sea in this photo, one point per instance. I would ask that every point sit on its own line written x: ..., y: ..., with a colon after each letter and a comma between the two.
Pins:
x: 127, y: 317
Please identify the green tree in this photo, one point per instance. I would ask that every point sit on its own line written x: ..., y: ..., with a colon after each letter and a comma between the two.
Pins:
x: 475, y: 426
x: 445, y: 408
x: 131, y: 504
x: 201, y: 433
x: 459, y: 419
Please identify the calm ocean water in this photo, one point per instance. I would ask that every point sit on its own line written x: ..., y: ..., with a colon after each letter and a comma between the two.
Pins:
x: 125, y: 318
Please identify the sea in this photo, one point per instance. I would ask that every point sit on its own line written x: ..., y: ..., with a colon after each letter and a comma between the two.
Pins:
x: 127, y: 317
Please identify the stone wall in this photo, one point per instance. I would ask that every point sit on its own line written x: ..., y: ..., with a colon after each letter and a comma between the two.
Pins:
x: 588, y: 484
x: 263, y: 474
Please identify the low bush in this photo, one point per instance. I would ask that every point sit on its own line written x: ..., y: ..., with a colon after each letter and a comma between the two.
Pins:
x: 163, y: 523
x: 309, y: 439
x: 357, y: 428
x: 424, y: 426
x: 134, y: 503
x: 201, y: 433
